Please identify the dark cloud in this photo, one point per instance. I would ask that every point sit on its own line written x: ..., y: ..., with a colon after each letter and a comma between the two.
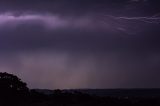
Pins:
x: 79, y: 7
x: 81, y: 44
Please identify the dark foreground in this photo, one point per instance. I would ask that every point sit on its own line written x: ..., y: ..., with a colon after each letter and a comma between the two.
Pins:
x: 76, y: 98
x: 14, y: 92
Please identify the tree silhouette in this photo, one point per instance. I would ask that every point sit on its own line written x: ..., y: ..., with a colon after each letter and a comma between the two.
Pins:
x: 11, y: 85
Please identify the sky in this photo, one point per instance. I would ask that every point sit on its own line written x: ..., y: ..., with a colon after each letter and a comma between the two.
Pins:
x: 73, y: 44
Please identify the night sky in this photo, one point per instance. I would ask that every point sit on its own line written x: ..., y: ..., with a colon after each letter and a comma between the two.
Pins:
x: 70, y: 44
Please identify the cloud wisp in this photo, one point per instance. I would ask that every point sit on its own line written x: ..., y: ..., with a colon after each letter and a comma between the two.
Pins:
x: 115, y: 24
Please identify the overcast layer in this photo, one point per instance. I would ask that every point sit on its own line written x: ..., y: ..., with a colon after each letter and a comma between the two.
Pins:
x: 81, y: 44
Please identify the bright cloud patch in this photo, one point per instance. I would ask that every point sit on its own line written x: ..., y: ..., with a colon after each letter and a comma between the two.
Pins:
x: 47, y: 20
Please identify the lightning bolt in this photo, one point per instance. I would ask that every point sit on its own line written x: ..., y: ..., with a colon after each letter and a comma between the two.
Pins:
x: 124, y: 23
x: 153, y: 19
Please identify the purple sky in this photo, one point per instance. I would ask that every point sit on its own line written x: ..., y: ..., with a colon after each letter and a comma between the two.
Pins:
x: 81, y: 44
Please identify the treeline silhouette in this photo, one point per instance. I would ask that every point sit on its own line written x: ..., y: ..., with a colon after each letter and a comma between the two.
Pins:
x: 14, y: 92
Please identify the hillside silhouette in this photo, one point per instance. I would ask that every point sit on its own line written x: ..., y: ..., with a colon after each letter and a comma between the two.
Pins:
x: 14, y: 92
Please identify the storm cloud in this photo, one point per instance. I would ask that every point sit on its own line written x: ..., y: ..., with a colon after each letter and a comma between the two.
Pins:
x: 81, y: 44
